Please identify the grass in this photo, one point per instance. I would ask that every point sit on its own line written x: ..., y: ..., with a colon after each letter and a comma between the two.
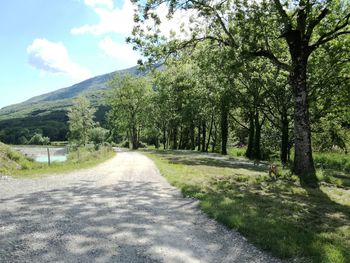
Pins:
x: 14, y: 163
x: 306, y: 225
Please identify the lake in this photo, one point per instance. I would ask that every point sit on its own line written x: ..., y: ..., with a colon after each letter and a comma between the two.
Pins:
x: 55, y: 158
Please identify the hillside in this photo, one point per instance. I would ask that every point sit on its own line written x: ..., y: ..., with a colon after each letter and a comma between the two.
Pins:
x: 46, y: 113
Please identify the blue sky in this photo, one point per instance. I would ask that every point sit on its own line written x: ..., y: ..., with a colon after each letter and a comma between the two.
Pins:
x: 48, y: 44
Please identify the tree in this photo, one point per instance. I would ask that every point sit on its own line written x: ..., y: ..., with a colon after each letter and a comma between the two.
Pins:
x: 98, y: 136
x: 80, y: 121
x: 257, y: 29
x: 38, y: 139
x: 129, y: 101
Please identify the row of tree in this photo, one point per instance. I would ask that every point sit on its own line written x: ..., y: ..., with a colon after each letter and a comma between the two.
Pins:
x: 249, y: 69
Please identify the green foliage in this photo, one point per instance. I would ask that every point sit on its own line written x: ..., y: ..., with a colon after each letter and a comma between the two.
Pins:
x: 81, y: 121
x: 129, y: 101
x: 39, y: 139
x: 98, y: 136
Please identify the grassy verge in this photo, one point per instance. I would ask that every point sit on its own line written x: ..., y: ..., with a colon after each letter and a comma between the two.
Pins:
x: 15, y: 164
x: 308, y: 225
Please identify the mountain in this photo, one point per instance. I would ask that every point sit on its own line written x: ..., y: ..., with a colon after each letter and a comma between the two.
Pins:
x: 46, y: 113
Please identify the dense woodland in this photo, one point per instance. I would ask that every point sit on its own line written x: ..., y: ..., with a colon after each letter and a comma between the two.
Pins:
x: 271, y: 75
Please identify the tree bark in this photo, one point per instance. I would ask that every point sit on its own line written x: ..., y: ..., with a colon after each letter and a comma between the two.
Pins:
x: 257, y: 138
x: 285, y: 136
x: 210, y: 131
x: 174, y: 146
x: 303, y: 161
x: 249, y: 151
x: 204, y: 135
x: 192, y: 135
x: 224, y: 126
x: 199, y: 137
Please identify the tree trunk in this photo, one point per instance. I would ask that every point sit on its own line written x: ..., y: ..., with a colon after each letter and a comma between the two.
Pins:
x: 257, y: 138
x: 199, y: 137
x: 303, y: 161
x: 210, y: 131
x: 249, y: 151
x: 164, y: 138
x: 224, y: 126
x: 134, y: 140
x: 204, y: 135
x: 214, y: 138
x: 285, y: 136
x: 192, y: 135
x: 174, y: 146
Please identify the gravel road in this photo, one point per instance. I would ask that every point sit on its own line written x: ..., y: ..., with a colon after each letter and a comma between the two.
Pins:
x: 120, y: 211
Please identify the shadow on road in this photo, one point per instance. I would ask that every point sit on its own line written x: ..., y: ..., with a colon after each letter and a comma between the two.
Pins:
x: 125, y: 222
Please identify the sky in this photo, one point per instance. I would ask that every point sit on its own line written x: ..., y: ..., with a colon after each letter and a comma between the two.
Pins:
x: 48, y: 44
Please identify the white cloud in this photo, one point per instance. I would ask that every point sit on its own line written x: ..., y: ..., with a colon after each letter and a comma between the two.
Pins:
x: 94, y: 3
x: 121, y: 20
x: 53, y: 57
x: 112, y: 20
x: 120, y: 51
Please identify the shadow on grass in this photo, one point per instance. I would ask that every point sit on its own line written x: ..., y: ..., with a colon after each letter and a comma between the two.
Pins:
x: 209, y: 159
x: 288, y: 224
x: 279, y: 216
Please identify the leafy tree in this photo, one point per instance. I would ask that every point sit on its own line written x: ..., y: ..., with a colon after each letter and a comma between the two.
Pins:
x: 39, y: 139
x: 81, y: 121
x: 285, y: 32
x: 98, y: 136
x: 130, y: 103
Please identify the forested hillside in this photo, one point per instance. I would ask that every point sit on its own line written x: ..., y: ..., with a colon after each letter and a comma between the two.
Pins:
x: 46, y: 114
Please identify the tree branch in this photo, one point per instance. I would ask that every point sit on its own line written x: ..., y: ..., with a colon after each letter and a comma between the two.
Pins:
x: 316, y: 21
x: 285, y: 18
x: 333, y: 33
x: 272, y: 58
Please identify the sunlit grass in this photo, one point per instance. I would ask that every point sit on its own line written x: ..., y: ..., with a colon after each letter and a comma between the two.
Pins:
x: 14, y: 163
x: 311, y: 225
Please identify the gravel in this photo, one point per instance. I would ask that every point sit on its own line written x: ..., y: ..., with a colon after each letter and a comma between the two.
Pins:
x: 120, y: 211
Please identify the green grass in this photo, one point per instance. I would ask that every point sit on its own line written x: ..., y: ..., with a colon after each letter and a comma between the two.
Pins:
x: 14, y: 163
x: 308, y: 225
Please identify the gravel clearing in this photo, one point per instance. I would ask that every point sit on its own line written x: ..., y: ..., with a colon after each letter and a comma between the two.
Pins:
x: 120, y: 211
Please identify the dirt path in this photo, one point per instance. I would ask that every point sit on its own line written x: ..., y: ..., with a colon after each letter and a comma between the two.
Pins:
x: 119, y: 211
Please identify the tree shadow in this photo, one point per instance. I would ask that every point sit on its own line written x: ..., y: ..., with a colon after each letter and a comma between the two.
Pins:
x: 282, y: 221
x: 122, y: 222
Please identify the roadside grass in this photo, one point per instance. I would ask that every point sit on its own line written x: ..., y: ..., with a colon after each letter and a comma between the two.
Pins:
x: 16, y: 164
x: 332, y: 167
x: 306, y: 225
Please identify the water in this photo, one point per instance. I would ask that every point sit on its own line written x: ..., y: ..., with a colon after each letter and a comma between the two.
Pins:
x: 55, y: 158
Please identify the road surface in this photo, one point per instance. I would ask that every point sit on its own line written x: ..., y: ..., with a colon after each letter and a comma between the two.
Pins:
x: 120, y: 211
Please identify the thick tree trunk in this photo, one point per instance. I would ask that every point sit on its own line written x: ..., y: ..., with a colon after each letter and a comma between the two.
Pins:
x: 134, y: 139
x: 224, y: 126
x: 303, y: 161
x: 257, y: 138
x: 285, y: 137
x: 249, y: 151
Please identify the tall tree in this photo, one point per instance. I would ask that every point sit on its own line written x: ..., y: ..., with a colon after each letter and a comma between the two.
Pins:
x: 130, y: 101
x: 81, y: 121
x: 257, y: 28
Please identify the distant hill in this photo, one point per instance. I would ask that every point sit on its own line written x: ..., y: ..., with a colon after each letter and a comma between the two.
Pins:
x: 46, y: 113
